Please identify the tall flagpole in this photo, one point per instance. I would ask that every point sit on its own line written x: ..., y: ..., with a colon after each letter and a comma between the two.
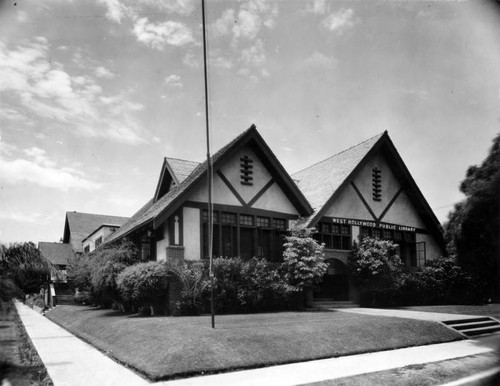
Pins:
x: 209, y: 171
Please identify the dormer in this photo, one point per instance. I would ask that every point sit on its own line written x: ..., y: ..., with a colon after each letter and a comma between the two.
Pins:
x: 173, y: 172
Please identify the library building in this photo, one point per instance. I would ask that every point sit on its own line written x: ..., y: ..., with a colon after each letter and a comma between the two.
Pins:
x: 363, y: 191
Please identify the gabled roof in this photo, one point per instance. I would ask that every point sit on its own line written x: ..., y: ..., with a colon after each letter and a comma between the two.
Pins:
x: 157, y: 212
x: 181, y: 168
x: 322, y: 182
x: 80, y: 225
x: 174, y: 171
x: 56, y: 253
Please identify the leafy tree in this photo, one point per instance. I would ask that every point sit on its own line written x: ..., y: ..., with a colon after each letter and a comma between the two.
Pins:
x: 25, y: 266
x: 97, y: 271
x: 473, y: 228
x: 377, y: 268
x: 79, y: 271
x: 303, y: 258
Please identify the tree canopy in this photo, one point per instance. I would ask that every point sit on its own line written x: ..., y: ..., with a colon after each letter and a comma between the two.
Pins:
x: 23, y: 264
x: 473, y: 228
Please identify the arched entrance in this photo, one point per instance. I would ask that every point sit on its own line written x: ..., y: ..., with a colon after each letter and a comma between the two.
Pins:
x: 335, y: 283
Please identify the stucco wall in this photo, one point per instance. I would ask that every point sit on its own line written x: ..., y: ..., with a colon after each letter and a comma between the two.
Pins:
x: 221, y: 193
x: 231, y: 170
x: 191, y: 229
x: 103, y: 232
x: 161, y: 246
x: 432, y: 249
x: 349, y: 204
x: 273, y: 199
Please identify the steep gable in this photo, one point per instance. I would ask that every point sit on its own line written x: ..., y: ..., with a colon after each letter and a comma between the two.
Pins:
x: 156, y: 212
x: 251, y: 139
x: 173, y: 172
x: 331, y: 184
x: 320, y: 181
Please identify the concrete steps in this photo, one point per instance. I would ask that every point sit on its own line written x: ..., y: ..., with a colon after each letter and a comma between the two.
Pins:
x: 329, y: 304
x: 64, y: 299
x: 474, y: 326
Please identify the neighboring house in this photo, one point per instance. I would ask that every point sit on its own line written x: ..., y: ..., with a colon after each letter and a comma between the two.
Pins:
x: 78, y: 226
x: 98, y: 236
x: 58, y: 255
x: 364, y: 191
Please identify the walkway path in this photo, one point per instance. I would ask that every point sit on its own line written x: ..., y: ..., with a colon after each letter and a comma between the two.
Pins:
x: 408, y: 314
x: 70, y: 361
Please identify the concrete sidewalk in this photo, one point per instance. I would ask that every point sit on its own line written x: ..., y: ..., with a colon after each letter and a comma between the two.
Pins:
x: 408, y: 314
x: 70, y: 361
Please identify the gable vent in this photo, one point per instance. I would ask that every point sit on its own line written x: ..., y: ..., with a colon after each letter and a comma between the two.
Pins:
x: 246, y: 171
x: 377, y: 184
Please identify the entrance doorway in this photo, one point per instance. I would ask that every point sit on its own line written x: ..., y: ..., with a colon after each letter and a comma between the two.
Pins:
x: 335, y: 283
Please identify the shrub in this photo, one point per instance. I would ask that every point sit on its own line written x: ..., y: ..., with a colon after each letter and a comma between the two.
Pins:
x: 145, y: 285
x: 193, y: 277
x: 247, y: 286
x: 378, y: 271
x: 106, y: 263
x: 303, y: 259
x: 79, y: 271
x: 442, y: 281
x: 83, y: 297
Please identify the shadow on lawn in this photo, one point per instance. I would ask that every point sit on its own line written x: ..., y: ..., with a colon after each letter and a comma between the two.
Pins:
x: 108, y: 312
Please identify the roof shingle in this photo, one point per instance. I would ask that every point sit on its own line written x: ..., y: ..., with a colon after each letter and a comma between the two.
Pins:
x: 319, y: 182
x: 56, y: 253
x: 181, y: 168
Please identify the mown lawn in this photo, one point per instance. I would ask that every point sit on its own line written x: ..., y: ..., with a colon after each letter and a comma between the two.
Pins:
x: 167, y: 347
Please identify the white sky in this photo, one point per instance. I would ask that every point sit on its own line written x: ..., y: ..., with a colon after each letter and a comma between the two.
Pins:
x: 93, y: 94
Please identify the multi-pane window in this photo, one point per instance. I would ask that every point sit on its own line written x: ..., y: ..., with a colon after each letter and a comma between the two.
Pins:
x: 98, y: 241
x: 244, y: 235
x: 421, y: 255
x: 262, y: 222
x: 279, y: 223
x: 228, y: 218
x: 246, y: 220
x: 87, y: 249
x: 334, y: 236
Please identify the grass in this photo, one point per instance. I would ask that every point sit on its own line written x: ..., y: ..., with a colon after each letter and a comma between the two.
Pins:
x: 167, y: 347
x: 492, y: 310
x: 428, y: 374
x: 19, y: 360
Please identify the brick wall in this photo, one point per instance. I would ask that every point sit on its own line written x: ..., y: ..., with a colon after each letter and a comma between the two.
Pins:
x: 174, y: 293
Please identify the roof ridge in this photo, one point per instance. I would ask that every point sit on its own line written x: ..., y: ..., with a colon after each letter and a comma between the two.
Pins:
x: 95, y: 214
x: 337, y: 154
x: 181, y: 159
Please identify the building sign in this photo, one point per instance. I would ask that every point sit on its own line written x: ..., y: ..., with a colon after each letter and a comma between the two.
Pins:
x: 372, y: 224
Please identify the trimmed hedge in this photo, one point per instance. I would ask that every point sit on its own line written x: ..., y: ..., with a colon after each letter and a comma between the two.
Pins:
x: 243, y: 286
x: 144, y: 285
